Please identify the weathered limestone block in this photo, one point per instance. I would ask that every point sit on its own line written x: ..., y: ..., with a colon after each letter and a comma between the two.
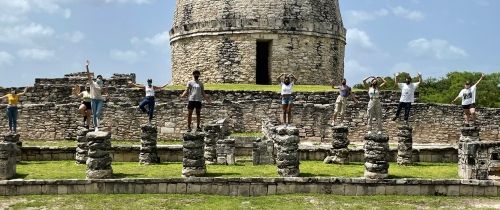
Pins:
x: 14, y: 138
x: 263, y: 151
x: 405, y: 145
x: 8, y: 153
x: 376, y: 150
x: 82, y: 148
x: 148, y: 151
x: 339, y: 154
x: 473, y: 158
x: 99, y: 161
x: 226, y: 151
x: 287, y: 158
x: 193, y: 162
x: 212, y: 134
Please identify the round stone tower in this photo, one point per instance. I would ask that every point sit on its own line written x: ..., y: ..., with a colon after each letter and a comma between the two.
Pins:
x: 243, y: 41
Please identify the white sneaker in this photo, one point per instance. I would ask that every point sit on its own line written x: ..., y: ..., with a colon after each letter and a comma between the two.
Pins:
x: 380, y: 132
x: 369, y: 132
x: 96, y: 129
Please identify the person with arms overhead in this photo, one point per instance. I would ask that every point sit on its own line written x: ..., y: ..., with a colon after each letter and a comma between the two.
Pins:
x: 97, y: 100
x: 341, y: 103
x: 287, y: 82
x: 407, y: 95
x: 468, y: 95
x: 374, y: 111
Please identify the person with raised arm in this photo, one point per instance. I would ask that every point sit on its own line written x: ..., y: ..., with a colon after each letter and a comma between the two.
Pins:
x: 149, y: 100
x: 287, y: 82
x: 195, y: 91
x: 85, y: 108
x: 407, y: 95
x: 97, y: 100
x: 13, y: 99
x: 341, y: 103
x: 374, y: 106
x: 468, y: 95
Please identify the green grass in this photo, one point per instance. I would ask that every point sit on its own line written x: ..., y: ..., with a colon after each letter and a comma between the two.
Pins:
x: 69, y: 170
x: 277, y: 202
x: 249, y: 134
x: 253, y: 87
x: 66, y: 143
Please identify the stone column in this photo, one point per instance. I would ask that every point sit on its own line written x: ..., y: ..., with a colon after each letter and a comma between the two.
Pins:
x: 193, y: 161
x: 225, y: 151
x: 467, y: 150
x: 287, y: 141
x: 14, y: 138
x: 8, y: 153
x: 82, y: 147
x: 263, y: 151
x: 99, y: 160
x: 212, y: 133
x: 405, y: 145
x: 376, y: 151
x: 149, y: 154
x: 339, y: 154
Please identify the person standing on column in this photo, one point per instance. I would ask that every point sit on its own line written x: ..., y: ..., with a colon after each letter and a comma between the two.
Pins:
x: 96, y: 88
x: 149, y: 100
x: 13, y: 99
x: 407, y: 95
x: 287, y: 84
x: 341, y: 103
x: 374, y: 106
x: 86, y: 107
x: 196, y: 91
x: 468, y: 95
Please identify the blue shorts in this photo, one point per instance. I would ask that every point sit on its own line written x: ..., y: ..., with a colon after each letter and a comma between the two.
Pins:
x: 286, y: 101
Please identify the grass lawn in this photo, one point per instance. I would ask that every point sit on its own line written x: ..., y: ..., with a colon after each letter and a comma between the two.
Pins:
x: 69, y: 170
x: 253, y: 87
x: 278, y: 202
x: 66, y: 143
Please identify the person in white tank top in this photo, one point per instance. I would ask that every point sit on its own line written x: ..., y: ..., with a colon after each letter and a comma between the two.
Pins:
x: 287, y: 82
x: 374, y: 111
x: 149, y: 100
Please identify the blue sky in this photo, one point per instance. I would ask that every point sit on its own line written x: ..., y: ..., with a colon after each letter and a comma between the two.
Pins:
x: 48, y: 38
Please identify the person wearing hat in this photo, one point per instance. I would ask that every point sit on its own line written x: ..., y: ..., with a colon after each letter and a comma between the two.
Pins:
x: 468, y: 95
x: 149, y: 100
x: 97, y: 99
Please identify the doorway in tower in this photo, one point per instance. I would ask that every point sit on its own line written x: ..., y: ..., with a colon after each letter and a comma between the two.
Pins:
x: 263, y: 57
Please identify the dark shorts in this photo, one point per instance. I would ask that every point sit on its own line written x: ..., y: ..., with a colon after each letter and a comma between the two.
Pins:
x: 88, y: 105
x: 470, y: 106
x: 194, y: 105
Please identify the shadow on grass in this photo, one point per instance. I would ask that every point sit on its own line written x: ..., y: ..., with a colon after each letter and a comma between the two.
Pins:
x: 221, y: 174
x: 313, y: 175
x: 20, y: 176
x: 123, y: 176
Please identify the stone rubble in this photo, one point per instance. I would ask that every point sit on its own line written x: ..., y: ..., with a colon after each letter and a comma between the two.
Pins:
x: 376, y: 150
x: 149, y: 154
x: 287, y: 157
x: 212, y: 133
x: 226, y: 150
x: 99, y: 160
x: 405, y: 145
x: 262, y: 153
x: 339, y: 154
x: 193, y: 161
x: 82, y: 147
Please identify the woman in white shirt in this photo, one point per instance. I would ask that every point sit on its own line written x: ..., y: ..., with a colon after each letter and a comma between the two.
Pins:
x: 149, y: 100
x: 287, y: 82
x: 85, y: 108
x: 374, y: 105
x: 468, y: 95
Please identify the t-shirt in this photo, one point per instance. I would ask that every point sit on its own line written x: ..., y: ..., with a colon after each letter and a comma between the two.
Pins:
x: 345, y: 91
x: 195, y: 90
x: 150, y: 91
x: 96, y: 91
x: 86, y: 96
x: 12, y: 99
x: 286, y: 89
x: 468, y: 95
x: 373, y: 93
x: 408, y: 92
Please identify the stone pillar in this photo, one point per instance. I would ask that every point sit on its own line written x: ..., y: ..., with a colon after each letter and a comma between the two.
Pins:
x: 467, y: 150
x: 212, y: 134
x: 14, y: 138
x: 99, y: 160
x: 8, y: 153
x: 287, y: 141
x: 193, y: 161
x: 148, y: 153
x: 339, y: 154
x: 263, y: 151
x: 376, y: 151
x: 405, y: 145
x: 226, y: 151
x: 82, y: 147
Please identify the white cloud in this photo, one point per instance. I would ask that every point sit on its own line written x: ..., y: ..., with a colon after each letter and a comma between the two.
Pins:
x: 359, y: 38
x: 413, y: 15
x: 24, y: 33
x: 5, y: 58
x: 355, y: 16
x: 128, y: 56
x: 74, y: 37
x: 36, y: 54
x: 160, y: 40
x: 437, y: 48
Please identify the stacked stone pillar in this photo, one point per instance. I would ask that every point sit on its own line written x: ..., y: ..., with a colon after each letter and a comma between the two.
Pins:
x: 467, y: 158
x: 82, y: 147
x: 226, y: 151
x: 148, y: 151
x: 287, y: 157
x: 376, y: 150
x: 405, y: 145
x: 193, y: 161
x: 9, y: 152
x: 339, y: 154
x: 262, y: 153
x: 212, y: 134
x: 14, y: 138
x: 99, y: 160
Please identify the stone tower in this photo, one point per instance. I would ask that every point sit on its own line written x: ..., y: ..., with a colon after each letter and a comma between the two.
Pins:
x: 254, y: 41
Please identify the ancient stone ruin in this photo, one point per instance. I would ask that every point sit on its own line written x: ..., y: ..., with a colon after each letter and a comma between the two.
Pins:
x: 263, y: 152
x: 82, y: 147
x: 149, y: 154
x: 14, y: 138
x: 477, y: 159
x: 287, y: 157
x: 9, y: 151
x: 99, y: 160
x: 193, y: 162
x: 376, y: 151
x: 339, y: 154
x: 226, y: 150
x: 405, y: 145
x: 212, y: 134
